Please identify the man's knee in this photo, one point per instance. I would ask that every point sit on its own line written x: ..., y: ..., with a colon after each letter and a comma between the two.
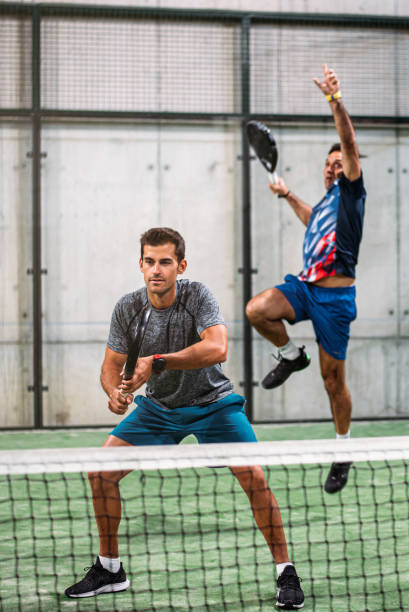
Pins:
x: 254, y: 310
x: 334, y: 382
x: 270, y: 304
x: 103, y: 480
x: 251, y: 478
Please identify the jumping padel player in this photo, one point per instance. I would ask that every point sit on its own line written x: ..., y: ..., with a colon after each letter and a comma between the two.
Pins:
x: 186, y: 393
x: 324, y: 291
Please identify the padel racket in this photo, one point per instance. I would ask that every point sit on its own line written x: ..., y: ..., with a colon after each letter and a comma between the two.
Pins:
x: 264, y: 146
x: 136, y: 346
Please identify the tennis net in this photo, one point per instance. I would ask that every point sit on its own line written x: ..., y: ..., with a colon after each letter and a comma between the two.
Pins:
x: 188, y: 540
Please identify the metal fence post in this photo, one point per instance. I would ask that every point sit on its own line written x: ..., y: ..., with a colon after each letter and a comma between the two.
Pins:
x: 36, y: 229
x: 246, y: 214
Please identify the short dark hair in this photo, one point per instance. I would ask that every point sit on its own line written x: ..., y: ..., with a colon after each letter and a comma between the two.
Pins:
x: 161, y: 235
x: 335, y: 147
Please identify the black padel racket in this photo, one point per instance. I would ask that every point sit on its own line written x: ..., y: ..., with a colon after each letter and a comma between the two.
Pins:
x: 264, y: 146
x: 136, y: 346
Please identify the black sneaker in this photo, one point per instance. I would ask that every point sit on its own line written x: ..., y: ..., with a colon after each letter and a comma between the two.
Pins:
x: 284, y: 368
x: 98, y: 580
x: 289, y: 592
x: 337, y: 477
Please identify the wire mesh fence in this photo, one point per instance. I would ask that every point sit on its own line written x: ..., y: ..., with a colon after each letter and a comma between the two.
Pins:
x: 161, y: 61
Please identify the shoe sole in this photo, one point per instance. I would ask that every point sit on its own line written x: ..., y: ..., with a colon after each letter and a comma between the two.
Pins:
x: 293, y: 606
x: 108, y: 588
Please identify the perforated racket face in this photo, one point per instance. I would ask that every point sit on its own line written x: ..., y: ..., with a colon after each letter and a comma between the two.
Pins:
x: 263, y: 144
x: 137, y: 343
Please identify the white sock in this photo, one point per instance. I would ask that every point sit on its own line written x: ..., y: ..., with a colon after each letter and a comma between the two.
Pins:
x: 289, y: 351
x: 110, y: 564
x: 281, y: 567
x: 344, y: 436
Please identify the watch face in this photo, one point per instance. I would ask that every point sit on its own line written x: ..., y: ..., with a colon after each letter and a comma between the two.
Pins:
x: 159, y: 364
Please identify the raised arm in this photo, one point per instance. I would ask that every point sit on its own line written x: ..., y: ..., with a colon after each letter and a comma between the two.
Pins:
x: 330, y: 87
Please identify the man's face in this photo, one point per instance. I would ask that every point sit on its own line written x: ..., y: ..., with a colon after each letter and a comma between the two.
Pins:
x: 160, y: 268
x: 333, y: 168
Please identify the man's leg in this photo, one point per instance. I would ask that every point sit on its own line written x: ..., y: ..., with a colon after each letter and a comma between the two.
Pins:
x: 107, y: 574
x: 266, y: 312
x: 268, y: 518
x: 333, y: 375
x: 107, y: 503
x: 265, y: 509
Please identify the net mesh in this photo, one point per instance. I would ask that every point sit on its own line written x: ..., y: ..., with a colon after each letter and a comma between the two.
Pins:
x: 188, y: 540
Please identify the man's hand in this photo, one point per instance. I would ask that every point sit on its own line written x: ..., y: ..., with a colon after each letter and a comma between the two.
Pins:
x: 142, y: 372
x: 117, y: 403
x: 279, y: 188
x: 330, y: 84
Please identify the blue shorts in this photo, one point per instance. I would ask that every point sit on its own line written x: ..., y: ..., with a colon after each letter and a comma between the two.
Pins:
x: 331, y: 312
x: 221, y: 421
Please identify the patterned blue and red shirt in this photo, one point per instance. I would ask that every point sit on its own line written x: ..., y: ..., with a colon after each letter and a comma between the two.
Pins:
x: 334, y: 232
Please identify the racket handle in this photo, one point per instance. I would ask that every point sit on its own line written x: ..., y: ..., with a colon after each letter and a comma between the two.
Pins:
x: 126, y: 377
x: 273, y: 177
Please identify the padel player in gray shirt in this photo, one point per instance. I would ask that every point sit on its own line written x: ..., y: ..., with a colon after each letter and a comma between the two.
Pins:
x: 186, y: 393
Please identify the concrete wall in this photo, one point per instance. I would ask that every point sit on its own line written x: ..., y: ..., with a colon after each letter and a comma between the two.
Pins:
x: 15, y: 295
x: 104, y: 184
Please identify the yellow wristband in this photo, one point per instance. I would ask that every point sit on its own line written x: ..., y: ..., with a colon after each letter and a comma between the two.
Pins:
x: 335, y: 96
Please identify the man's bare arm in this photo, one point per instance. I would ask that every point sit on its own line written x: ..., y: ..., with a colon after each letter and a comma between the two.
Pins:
x: 301, y: 209
x: 111, y: 370
x: 211, y: 349
x: 111, y: 381
x: 330, y: 86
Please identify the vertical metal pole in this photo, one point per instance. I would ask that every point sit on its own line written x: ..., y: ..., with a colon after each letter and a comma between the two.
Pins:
x: 246, y: 214
x: 36, y: 203
x: 399, y: 308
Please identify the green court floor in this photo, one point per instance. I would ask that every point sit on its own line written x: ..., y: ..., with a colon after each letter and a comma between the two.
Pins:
x: 95, y: 437
x: 188, y: 541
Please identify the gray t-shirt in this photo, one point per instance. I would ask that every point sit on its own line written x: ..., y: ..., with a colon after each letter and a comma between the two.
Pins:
x: 168, y: 331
